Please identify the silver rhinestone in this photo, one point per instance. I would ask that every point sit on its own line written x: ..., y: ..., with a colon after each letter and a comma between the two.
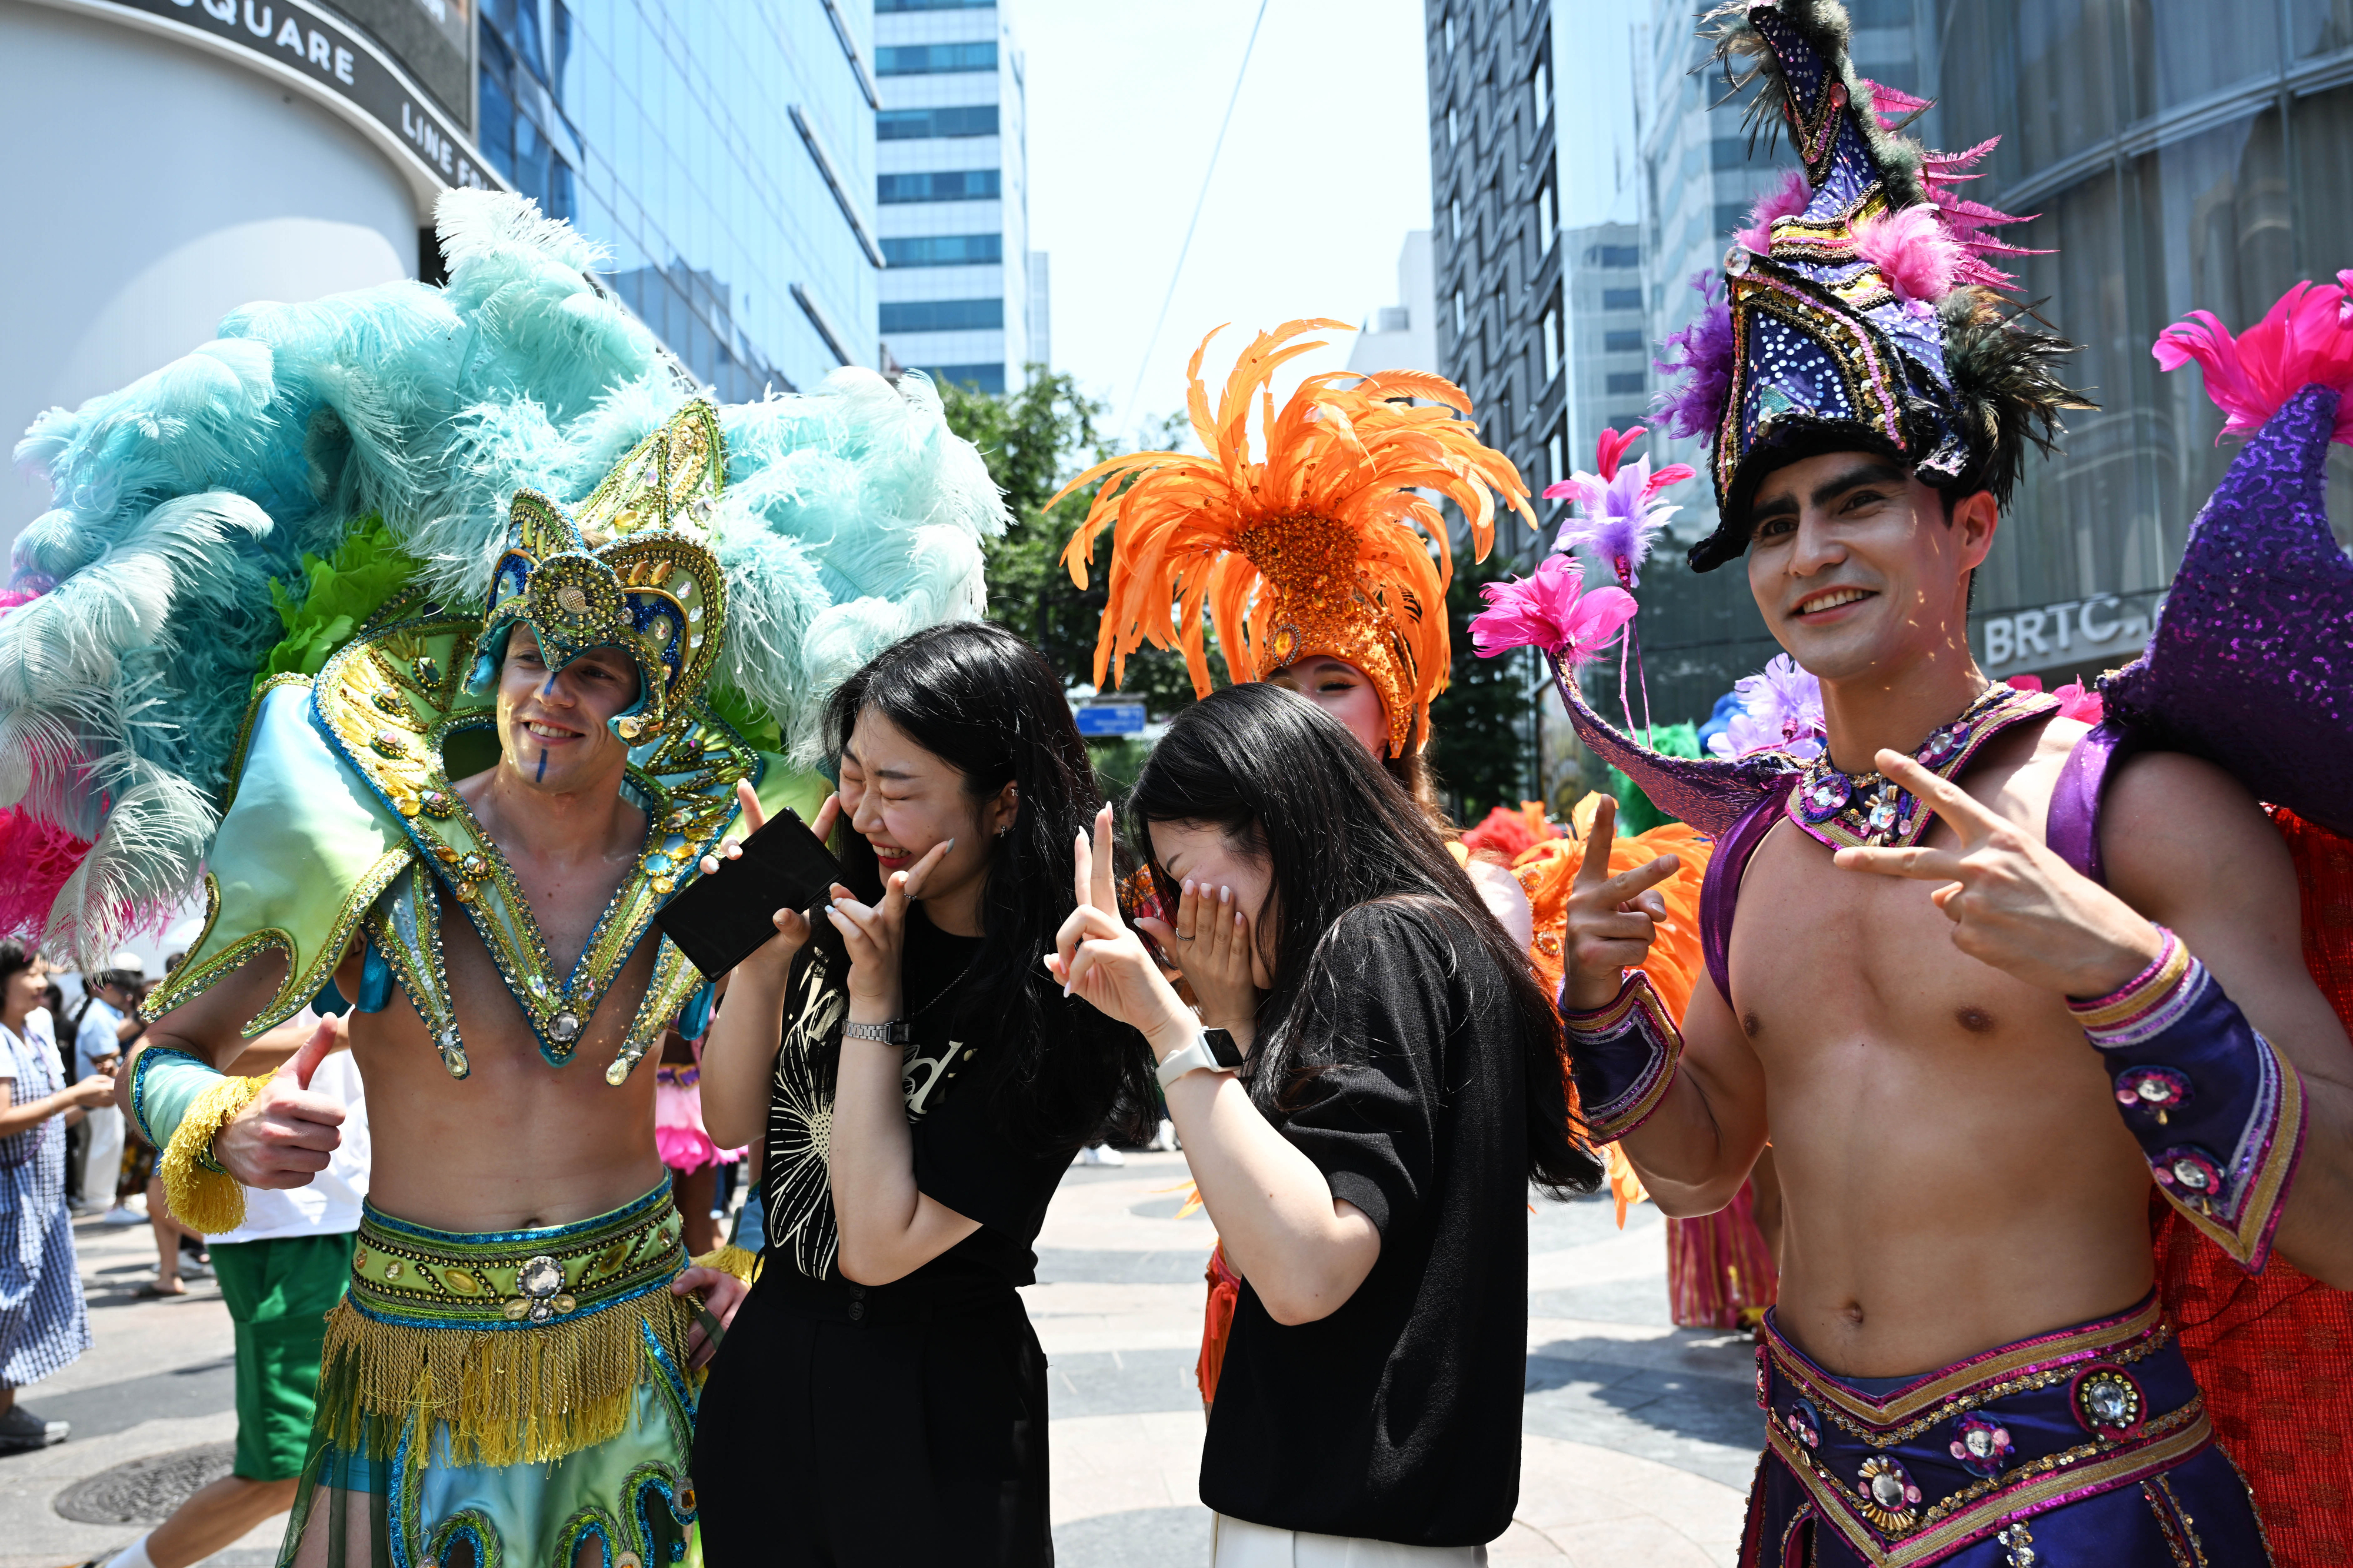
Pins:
x: 540, y: 1276
x: 1886, y: 1490
x: 565, y: 1026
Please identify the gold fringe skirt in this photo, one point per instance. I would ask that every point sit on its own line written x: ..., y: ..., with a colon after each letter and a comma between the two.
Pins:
x: 529, y: 1345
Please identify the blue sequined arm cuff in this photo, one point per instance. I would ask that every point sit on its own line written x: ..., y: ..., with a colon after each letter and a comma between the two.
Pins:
x: 2220, y: 1113
x: 1624, y: 1058
x: 164, y: 1081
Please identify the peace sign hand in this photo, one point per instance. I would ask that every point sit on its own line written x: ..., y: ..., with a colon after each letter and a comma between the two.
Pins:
x: 2012, y: 903
x: 1611, y: 919
x: 1097, y: 958
x: 876, y: 936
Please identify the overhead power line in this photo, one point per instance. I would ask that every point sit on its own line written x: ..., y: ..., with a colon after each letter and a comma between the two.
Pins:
x: 1206, y: 174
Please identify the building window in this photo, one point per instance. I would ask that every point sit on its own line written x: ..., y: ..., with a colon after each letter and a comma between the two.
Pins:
x: 1622, y: 299
x: 989, y: 378
x: 1553, y: 464
x: 1551, y: 344
x: 945, y: 316
x: 1619, y: 340
x: 931, y: 59
x: 913, y: 124
x: 1453, y: 127
x: 1614, y: 256
x: 1450, y: 33
x: 937, y: 185
x: 944, y: 250
x: 511, y: 140
x: 932, y: 5
x: 1540, y: 92
x: 1455, y: 208
x: 1544, y: 220
x: 1621, y: 380
x: 1461, y: 319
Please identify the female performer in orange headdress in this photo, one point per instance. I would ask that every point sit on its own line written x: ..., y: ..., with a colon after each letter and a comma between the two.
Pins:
x: 1312, y: 564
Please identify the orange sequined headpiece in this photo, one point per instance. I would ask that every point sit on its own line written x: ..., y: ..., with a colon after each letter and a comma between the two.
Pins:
x: 1317, y: 550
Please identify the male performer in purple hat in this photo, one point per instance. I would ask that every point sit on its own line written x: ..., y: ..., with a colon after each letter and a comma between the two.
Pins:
x: 1968, y: 1364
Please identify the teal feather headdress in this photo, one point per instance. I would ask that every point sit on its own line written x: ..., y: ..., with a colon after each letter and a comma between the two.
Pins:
x: 195, y: 505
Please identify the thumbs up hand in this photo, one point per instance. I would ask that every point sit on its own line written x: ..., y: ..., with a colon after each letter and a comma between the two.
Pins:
x: 283, y: 1136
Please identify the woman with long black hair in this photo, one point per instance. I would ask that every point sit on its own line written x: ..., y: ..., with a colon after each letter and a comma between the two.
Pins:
x: 880, y: 1397
x: 1366, y: 1155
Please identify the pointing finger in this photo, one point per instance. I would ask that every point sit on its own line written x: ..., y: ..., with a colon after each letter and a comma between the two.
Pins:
x: 1594, y: 868
x: 827, y: 815
x: 1084, y: 859
x: 1107, y: 896
x: 914, y: 878
x: 748, y: 798
x: 1963, y: 811
x: 1924, y: 864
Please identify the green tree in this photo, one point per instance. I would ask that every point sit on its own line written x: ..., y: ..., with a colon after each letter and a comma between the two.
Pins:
x: 1034, y: 440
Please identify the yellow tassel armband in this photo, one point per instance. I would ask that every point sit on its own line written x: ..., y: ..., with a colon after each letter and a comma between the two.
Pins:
x: 203, y: 1196
x: 743, y: 1264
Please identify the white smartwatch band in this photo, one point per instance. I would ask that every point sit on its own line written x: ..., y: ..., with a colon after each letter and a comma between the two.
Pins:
x: 1192, y: 1058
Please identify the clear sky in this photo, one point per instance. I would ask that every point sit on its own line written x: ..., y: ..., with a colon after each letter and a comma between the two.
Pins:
x: 1326, y: 168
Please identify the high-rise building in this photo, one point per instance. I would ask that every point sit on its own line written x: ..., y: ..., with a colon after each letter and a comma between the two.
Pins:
x: 2181, y: 156
x: 1402, y: 336
x: 222, y: 151
x: 964, y: 298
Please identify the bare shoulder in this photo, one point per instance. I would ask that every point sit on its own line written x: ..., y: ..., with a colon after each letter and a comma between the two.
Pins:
x: 2179, y: 830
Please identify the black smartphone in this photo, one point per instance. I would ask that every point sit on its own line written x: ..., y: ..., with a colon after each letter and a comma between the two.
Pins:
x: 719, y: 920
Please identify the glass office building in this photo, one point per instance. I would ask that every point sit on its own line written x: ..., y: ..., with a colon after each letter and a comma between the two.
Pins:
x: 964, y: 298
x: 2181, y: 156
x: 725, y: 153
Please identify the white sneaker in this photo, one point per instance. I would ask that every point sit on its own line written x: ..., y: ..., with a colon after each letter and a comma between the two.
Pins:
x: 122, y: 1214
x: 1100, y: 1154
x: 1163, y: 1142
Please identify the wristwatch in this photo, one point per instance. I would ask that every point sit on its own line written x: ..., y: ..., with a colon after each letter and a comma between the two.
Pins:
x: 897, y: 1031
x: 1196, y: 1058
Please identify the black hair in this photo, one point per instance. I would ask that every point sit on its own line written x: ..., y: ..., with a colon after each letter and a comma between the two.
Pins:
x: 989, y: 706
x: 1287, y: 785
x: 17, y: 955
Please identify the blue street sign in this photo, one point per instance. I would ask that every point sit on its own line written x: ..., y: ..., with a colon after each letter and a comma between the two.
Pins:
x: 1111, y: 718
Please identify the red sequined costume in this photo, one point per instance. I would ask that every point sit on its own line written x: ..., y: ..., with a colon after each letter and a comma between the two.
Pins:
x: 2274, y: 1352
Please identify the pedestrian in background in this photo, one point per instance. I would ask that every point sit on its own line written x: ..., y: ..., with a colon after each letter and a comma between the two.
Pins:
x: 279, y: 1274
x: 1364, y: 1141
x: 44, y: 1324
x: 109, y: 1024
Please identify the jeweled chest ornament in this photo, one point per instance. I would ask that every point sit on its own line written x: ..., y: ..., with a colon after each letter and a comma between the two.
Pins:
x: 1847, y: 810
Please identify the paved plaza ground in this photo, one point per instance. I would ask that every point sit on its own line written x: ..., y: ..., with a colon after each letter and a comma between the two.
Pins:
x: 1640, y: 1437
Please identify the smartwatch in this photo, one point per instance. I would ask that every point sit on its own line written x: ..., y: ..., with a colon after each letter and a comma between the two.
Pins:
x: 1196, y: 1058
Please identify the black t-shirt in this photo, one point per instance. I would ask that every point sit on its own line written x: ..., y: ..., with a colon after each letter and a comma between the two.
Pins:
x: 965, y: 1157
x: 1397, y: 1416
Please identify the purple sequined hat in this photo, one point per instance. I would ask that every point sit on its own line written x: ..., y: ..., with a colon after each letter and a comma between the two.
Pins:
x: 1860, y: 310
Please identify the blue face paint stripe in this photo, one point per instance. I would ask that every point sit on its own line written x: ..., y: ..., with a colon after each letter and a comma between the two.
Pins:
x: 541, y: 777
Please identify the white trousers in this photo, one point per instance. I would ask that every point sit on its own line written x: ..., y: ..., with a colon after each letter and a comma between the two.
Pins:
x: 104, y: 1164
x: 1235, y: 1544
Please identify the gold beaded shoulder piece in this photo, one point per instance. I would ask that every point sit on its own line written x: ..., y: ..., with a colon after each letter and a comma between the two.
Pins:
x: 390, y: 703
x: 1848, y: 810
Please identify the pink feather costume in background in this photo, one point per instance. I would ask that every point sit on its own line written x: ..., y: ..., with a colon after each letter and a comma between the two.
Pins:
x: 677, y: 1118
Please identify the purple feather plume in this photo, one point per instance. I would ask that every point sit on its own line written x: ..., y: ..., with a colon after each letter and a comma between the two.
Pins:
x: 1695, y: 405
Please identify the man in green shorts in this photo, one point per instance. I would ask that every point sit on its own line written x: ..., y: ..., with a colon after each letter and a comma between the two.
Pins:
x: 280, y: 1273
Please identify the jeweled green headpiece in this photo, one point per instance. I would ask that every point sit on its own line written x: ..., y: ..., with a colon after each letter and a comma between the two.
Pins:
x: 631, y: 569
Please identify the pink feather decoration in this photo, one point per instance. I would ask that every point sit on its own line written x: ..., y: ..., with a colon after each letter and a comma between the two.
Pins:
x: 36, y: 859
x: 2305, y: 340
x: 1785, y: 200
x: 1551, y: 611
x: 1912, y: 251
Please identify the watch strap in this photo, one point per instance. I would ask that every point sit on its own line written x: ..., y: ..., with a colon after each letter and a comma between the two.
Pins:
x: 1196, y: 1058
x: 896, y: 1032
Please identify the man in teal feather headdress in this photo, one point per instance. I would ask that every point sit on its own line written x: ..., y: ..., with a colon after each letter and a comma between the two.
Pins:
x: 460, y: 805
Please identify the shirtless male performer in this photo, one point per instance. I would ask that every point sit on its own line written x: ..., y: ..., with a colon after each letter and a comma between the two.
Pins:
x: 1968, y: 1364
x: 467, y: 815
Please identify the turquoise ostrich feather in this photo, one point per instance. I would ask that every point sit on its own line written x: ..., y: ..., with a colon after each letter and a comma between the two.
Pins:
x: 184, y: 506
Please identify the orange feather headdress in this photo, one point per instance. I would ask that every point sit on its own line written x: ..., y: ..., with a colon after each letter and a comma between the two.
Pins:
x: 1317, y: 550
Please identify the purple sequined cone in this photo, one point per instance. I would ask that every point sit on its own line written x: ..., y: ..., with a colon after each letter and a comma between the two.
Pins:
x: 2251, y: 662
x: 1707, y: 792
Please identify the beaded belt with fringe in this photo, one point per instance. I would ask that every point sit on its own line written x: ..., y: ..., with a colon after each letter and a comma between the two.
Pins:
x: 529, y: 1344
